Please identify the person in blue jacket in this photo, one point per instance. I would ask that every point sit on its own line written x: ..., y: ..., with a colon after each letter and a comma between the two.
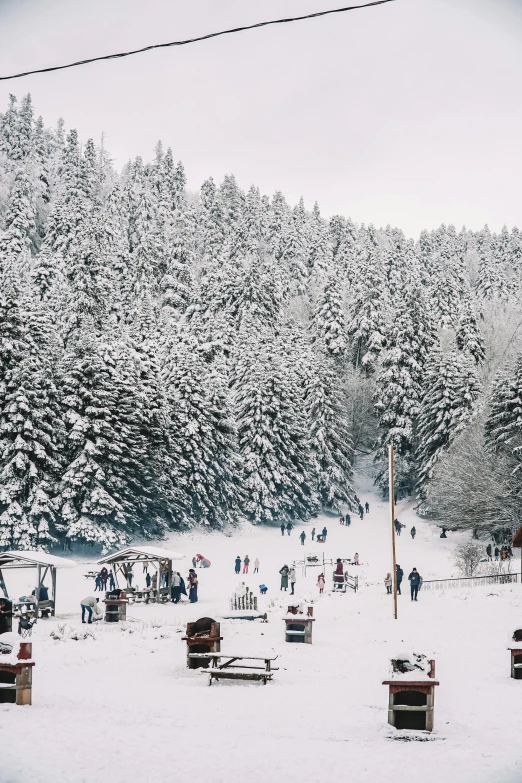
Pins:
x: 415, y: 582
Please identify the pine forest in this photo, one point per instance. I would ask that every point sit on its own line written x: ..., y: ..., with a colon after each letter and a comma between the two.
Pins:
x: 171, y: 358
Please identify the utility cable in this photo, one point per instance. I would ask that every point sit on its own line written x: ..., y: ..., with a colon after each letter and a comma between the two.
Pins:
x: 195, y: 40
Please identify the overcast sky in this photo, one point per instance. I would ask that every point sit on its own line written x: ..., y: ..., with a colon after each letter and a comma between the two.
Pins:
x: 407, y: 113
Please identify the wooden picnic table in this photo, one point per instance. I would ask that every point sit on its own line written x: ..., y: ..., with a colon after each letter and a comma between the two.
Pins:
x: 221, y: 669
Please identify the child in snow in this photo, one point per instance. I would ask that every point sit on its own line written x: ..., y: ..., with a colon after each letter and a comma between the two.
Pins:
x: 263, y: 589
x: 341, y: 520
x: 320, y: 583
x: 356, y: 558
x: 256, y: 565
x: 246, y: 563
x: 388, y: 582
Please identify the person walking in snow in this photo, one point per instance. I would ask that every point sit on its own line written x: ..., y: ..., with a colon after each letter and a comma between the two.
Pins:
x: 488, y: 551
x: 356, y: 559
x: 313, y: 534
x: 398, y: 527
x: 320, y: 583
x: 246, y: 563
x: 361, y: 511
x: 348, y: 520
x: 284, y: 577
x: 302, y: 537
x: 415, y: 582
x: 238, y: 565
x: 282, y: 528
x: 497, y: 552
x: 289, y: 528
x: 292, y: 578
x: 193, y: 586
x: 399, y: 573
x: 367, y: 507
x: 256, y: 565
x: 388, y: 583
x: 324, y: 533
x: 413, y: 532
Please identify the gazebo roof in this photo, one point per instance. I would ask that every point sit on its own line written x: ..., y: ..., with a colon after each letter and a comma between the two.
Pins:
x: 517, y: 538
x: 27, y: 558
x: 140, y: 554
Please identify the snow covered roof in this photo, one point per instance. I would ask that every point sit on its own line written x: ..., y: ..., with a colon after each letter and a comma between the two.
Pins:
x: 141, y: 553
x: 27, y: 558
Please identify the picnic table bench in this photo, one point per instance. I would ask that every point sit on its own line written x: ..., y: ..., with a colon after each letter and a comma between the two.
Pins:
x: 221, y: 670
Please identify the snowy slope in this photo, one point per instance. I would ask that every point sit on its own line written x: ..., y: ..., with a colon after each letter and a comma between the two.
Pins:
x: 125, y: 707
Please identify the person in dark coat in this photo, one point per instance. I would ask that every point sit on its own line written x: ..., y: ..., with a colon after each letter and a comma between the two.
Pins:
x: 104, y: 575
x: 282, y: 528
x: 497, y: 552
x: 313, y: 534
x: 148, y: 579
x: 238, y: 565
x: 175, y: 590
x: 284, y: 577
x: 112, y: 583
x: 488, y: 551
x: 415, y: 582
x: 367, y: 507
x: 399, y: 573
x: 443, y: 534
x: 193, y: 586
x: 398, y: 527
x: 324, y: 533
x: 413, y: 532
x: 302, y: 537
x: 361, y: 511
x: 97, y: 583
x: 289, y: 528
x: 509, y: 551
x: 347, y: 519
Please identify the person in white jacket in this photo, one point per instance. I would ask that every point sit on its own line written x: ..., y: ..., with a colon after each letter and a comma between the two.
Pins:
x: 291, y: 579
x: 91, y: 606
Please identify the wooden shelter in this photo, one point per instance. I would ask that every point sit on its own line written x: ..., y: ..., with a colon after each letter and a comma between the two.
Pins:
x: 44, y: 565
x: 160, y: 559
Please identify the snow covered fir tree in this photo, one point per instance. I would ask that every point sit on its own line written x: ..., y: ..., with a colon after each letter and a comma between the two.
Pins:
x: 171, y: 358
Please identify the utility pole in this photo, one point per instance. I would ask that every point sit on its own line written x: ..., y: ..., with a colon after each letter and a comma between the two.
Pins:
x: 391, y: 472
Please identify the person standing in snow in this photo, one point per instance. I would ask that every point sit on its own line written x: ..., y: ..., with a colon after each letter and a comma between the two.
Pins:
x: 388, y: 583
x: 339, y: 572
x: 148, y: 580
x: 284, y: 577
x: 176, y: 588
x: 97, y: 583
x: 399, y: 573
x: 348, y: 520
x: 398, y: 527
x: 104, y: 575
x: 90, y: 605
x: 313, y: 533
x: 415, y: 582
x: 413, y: 532
x: 302, y: 537
x: 194, y: 562
x: 361, y: 511
x: 324, y: 533
x: 497, y: 552
x: 356, y: 559
x: 129, y: 574
x: 193, y: 586
x: 246, y: 563
x: 320, y: 583
x: 289, y: 528
x: 256, y: 565
x: 488, y: 551
x: 367, y: 507
x: 112, y: 583
x: 341, y: 520
x: 292, y: 579
x: 282, y: 528
x: 238, y: 565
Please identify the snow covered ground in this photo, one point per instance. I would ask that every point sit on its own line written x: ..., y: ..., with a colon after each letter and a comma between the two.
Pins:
x: 124, y: 707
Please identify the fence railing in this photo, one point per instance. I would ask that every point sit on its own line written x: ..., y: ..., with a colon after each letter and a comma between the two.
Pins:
x: 470, y: 581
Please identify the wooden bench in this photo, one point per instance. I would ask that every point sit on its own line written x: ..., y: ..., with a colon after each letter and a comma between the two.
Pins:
x: 222, y: 670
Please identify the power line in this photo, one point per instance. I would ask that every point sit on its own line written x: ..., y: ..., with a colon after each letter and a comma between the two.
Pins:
x: 195, y: 40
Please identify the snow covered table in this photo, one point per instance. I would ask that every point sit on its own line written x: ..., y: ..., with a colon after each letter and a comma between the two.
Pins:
x: 222, y: 663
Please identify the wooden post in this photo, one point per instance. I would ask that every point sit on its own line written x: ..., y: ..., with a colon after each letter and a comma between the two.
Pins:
x: 37, y: 592
x: 391, y: 471
x: 53, y: 579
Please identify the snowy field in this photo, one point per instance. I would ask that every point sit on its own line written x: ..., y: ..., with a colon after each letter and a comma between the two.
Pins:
x: 124, y: 707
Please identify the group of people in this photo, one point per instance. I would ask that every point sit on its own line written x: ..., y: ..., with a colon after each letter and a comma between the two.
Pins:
x: 100, y: 582
x: 321, y: 537
x: 246, y: 564
x: 504, y: 553
x: 415, y: 580
x: 288, y: 576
